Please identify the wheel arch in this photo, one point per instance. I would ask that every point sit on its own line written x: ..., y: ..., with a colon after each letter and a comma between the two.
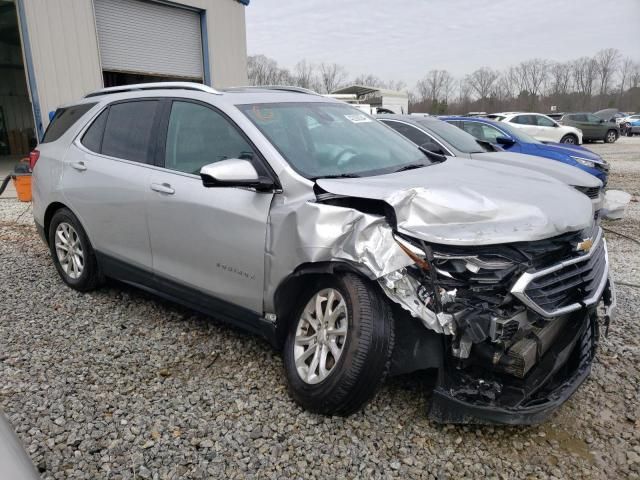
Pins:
x: 301, y: 279
x: 50, y: 211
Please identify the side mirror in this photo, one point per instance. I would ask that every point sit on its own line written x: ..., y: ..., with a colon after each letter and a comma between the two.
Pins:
x: 506, y: 141
x: 432, y: 147
x: 234, y: 172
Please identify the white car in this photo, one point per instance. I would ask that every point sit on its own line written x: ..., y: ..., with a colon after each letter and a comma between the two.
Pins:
x: 541, y: 127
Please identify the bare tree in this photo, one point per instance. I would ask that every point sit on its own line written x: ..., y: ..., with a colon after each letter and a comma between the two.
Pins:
x: 626, y: 70
x: 262, y: 70
x: 607, y: 62
x: 482, y: 81
x: 332, y: 76
x: 584, y: 72
x: 436, y: 86
x: 305, y: 75
x: 560, y: 78
x: 634, y: 77
x: 537, y: 74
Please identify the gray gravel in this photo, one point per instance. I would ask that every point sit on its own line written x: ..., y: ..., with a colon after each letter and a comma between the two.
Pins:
x: 117, y: 384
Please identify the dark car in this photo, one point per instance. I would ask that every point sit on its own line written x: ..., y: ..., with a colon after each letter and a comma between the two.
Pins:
x: 593, y: 127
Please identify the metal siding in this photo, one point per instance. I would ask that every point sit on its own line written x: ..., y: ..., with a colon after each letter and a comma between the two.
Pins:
x: 226, y: 29
x: 151, y: 38
x: 64, y: 50
x: 66, y: 59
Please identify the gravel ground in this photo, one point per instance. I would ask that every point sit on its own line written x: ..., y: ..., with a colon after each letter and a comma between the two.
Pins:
x: 117, y: 384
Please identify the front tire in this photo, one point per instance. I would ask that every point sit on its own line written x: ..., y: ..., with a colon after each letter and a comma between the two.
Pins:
x: 339, y: 345
x: 569, y: 139
x: 611, y: 136
x: 72, y: 253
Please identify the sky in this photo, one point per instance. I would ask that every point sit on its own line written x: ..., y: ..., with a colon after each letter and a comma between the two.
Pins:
x: 404, y: 39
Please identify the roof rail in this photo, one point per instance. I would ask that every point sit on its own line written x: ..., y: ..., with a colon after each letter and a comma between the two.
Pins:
x: 286, y: 88
x: 283, y: 88
x: 154, y: 86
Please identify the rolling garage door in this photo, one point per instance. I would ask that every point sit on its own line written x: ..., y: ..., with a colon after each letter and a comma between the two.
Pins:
x: 149, y: 38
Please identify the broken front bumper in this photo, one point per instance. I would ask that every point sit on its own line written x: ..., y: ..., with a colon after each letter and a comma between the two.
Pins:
x: 469, y: 396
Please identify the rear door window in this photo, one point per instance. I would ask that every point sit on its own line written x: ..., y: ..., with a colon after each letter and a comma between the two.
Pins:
x: 63, y: 119
x: 523, y: 120
x: 128, y: 130
x: 543, y: 121
x: 412, y: 133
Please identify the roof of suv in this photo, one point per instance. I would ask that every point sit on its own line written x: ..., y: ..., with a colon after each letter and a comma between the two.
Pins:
x: 234, y: 95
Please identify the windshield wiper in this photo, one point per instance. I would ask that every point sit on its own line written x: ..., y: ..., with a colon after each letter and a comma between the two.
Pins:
x: 338, y: 175
x: 411, y: 166
x: 433, y: 156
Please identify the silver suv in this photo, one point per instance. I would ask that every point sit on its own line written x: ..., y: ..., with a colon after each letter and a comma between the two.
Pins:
x: 358, y: 253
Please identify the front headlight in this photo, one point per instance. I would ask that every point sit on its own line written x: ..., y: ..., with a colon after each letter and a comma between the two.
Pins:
x: 584, y: 161
x: 472, y: 263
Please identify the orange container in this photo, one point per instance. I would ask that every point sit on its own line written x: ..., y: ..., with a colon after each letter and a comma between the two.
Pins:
x: 23, y: 187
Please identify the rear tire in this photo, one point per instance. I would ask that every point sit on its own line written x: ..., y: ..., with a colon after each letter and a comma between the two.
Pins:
x: 569, y: 139
x: 611, y: 136
x: 72, y: 253
x: 364, y: 352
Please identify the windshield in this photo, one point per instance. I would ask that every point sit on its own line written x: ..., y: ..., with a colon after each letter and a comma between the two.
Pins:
x: 517, y: 133
x: 332, y: 139
x: 458, y: 139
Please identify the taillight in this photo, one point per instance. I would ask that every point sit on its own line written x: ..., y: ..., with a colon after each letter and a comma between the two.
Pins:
x: 33, y: 158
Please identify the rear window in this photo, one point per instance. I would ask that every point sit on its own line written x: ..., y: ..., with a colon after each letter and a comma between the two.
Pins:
x: 63, y: 119
x: 128, y: 130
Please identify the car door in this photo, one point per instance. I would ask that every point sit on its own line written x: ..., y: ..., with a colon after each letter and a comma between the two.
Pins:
x: 527, y: 123
x: 577, y: 120
x: 547, y: 129
x: 105, y: 180
x: 489, y: 133
x: 597, y: 127
x: 417, y: 136
x: 208, y: 240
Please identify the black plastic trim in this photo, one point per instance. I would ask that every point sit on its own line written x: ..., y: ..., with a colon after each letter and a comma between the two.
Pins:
x: 446, y: 408
x: 188, y: 296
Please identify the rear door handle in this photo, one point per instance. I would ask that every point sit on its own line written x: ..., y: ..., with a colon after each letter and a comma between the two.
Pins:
x: 162, y: 188
x: 80, y: 166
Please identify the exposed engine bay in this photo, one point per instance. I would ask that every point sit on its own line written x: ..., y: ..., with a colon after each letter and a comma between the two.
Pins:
x: 502, y: 308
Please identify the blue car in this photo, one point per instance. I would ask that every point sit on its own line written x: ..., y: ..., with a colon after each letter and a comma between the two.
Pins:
x: 515, y: 140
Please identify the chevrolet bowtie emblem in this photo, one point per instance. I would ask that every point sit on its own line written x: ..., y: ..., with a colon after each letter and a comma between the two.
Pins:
x: 585, y: 245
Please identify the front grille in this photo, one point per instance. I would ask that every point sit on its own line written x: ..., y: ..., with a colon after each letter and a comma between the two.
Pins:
x: 567, y: 286
x: 591, y: 192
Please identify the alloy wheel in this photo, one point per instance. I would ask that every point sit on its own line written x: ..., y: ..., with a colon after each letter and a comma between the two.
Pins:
x: 69, y: 250
x: 611, y: 137
x: 321, y: 335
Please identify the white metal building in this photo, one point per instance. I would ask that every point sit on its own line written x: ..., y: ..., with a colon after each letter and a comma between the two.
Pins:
x: 55, y: 51
x: 380, y: 98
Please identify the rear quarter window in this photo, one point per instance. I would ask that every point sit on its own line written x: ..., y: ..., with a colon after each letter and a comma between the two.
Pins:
x: 92, y: 138
x: 63, y: 119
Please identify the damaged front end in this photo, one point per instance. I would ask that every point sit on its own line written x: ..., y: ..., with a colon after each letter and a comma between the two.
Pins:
x: 506, y: 284
x: 519, y: 321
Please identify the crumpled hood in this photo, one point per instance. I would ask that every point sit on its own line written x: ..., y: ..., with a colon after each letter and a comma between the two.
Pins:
x: 466, y: 202
x: 575, y: 150
x: 565, y: 173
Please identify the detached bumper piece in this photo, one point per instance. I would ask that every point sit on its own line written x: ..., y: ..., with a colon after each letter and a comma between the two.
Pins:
x: 480, y: 396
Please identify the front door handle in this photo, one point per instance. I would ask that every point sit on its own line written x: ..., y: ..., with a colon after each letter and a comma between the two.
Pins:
x: 162, y: 188
x: 80, y: 166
